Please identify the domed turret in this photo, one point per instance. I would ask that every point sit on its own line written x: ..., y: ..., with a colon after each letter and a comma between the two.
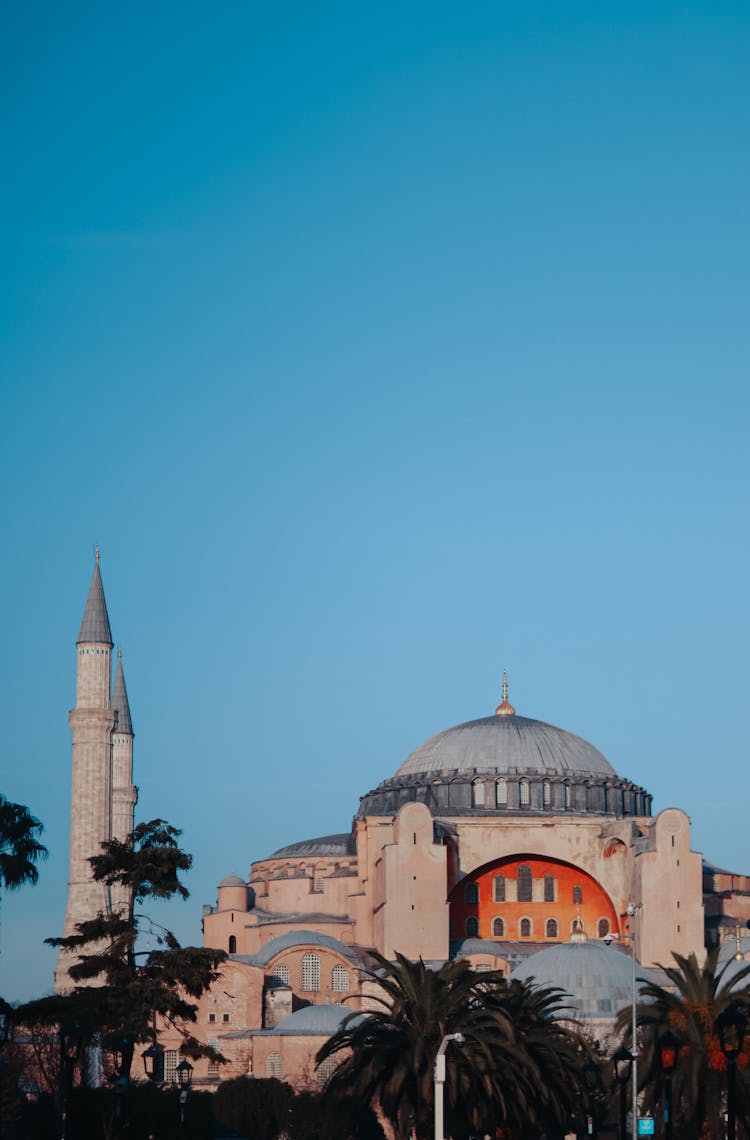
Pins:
x: 232, y: 893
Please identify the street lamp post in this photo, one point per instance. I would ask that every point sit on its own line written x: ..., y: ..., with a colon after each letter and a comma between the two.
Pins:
x: 622, y: 1059
x: 184, y: 1079
x: 669, y: 1047
x: 731, y: 1025
x: 439, y: 1079
x: 632, y: 911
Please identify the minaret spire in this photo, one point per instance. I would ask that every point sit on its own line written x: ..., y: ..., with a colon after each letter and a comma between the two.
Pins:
x: 120, y: 699
x: 95, y: 622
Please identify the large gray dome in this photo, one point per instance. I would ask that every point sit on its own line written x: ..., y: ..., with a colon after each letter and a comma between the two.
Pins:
x: 502, y: 744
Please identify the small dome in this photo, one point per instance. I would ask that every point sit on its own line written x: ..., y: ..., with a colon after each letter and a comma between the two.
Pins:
x: 499, y: 743
x: 597, y: 978
x: 312, y: 1021
x: 232, y: 881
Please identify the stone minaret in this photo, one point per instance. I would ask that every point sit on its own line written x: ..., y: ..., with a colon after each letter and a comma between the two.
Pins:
x: 124, y: 794
x: 100, y: 801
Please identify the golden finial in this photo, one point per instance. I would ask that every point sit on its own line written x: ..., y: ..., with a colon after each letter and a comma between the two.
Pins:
x: 578, y: 932
x: 505, y: 708
x: 739, y: 956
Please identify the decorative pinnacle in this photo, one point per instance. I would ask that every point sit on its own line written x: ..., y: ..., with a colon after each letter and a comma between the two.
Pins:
x: 505, y: 708
x: 96, y: 553
x: 578, y: 933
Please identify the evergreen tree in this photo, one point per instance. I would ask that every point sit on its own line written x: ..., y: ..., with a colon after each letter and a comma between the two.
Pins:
x: 120, y: 990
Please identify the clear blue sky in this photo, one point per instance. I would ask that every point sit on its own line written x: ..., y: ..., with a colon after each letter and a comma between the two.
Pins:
x: 379, y: 347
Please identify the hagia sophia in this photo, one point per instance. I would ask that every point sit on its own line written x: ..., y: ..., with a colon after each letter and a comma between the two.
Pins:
x: 506, y: 841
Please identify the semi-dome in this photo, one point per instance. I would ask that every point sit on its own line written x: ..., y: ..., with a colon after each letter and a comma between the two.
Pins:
x: 502, y: 743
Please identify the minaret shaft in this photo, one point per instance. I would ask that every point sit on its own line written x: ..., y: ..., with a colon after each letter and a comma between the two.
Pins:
x: 102, y: 792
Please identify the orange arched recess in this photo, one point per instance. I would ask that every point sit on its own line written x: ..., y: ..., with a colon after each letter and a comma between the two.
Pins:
x: 529, y: 898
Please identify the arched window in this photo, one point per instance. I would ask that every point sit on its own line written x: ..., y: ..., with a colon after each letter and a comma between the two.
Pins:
x: 546, y: 793
x: 551, y: 928
x: 524, y: 928
x: 310, y: 973
x: 566, y: 795
x: 232, y: 944
x: 477, y: 793
x: 498, y: 928
x: 340, y: 980
x: 524, y: 883
x: 603, y: 927
x: 280, y: 974
x: 549, y: 888
x: 577, y: 895
x: 524, y: 797
x: 499, y: 888
x: 171, y: 1061
x: 501, y: 792
x: 472, y: 927
x: 273, y: 1066
x: 326, y: 1069
x: 213, y: 1066
x: 472, y: 894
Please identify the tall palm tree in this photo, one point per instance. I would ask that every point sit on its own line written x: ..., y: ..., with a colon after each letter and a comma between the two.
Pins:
x: 20, y: 849
x: 697, y: 994
x: 516, y: 1066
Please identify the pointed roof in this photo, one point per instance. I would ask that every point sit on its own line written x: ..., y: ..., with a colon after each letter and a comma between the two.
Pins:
x: 95, y: 622
x: 120, y: 699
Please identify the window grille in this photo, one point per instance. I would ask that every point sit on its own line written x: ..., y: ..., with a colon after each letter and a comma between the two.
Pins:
x: 325, y: 1070
x: 525, y: 928
x: 500, y: 888
x: 170, y: 1066
x: 273, y: 1066
x: 549, y: 888
x: 280, y: 974
x: 213, y: 1066
x: 524, y: 795
x: 472, y: 928
x: 310, y: 973
x: 498, y: 927
x: 472, y: 894
x: 524, y: 883
x: 501, y: 792
x: 551, y: 929
x: 577, y: 895
x: 477, y: 793
x: 340, y: 980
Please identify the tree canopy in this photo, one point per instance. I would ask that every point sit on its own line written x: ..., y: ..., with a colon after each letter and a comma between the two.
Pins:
x: 689, y: 1005
x: 518, y: 1065
x: 119, y: 989
x: 20, y: 848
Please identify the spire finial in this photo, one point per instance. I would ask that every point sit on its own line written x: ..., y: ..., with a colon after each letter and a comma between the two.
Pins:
x: 578, y: 933
x: 96, y: 553
x: 119, y: 653
x: 505, y: 708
